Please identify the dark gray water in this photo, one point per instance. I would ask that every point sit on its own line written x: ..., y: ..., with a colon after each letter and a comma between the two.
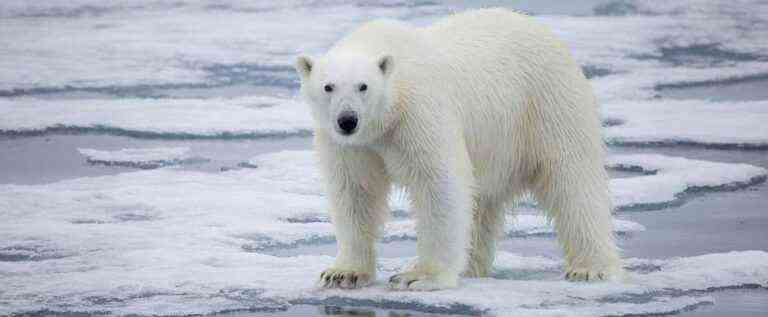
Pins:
x: 45, y: 159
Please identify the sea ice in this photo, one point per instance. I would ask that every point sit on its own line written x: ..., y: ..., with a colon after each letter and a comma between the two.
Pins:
x: 676, y: 44
x: 134, y: 44
x: 668, y: 178
x: 256, y: 116
x: 699, y: 122
x: 145, y: 158
x: 173, y: 241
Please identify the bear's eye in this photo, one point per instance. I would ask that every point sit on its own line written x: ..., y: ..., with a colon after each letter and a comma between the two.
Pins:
x: 363, y: 87
x: 328, y: 88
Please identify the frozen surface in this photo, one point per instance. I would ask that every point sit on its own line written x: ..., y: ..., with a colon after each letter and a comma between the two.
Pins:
x: 641, y: 122
x: 729, y: 124
x: 256, y: 116
x: 671, y: 177
x: 158, y: 44
x: 144, y: 48
x: 137, y: 155
x: 41, y: 159
x: 134, y: 44
x: 145, y: 158
x: 172, y: 241
x: 651, y: 287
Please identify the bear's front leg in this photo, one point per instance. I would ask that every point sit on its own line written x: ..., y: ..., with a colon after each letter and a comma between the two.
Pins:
x: 442, y: 202
x: 357, y: 188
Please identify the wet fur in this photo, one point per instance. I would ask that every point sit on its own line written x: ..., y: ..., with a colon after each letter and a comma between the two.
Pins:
x: 479, y: 109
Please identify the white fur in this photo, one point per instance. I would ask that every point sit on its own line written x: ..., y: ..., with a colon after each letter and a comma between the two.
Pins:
x: 470, y: 113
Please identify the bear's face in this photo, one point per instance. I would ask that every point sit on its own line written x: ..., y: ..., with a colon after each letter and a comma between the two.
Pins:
x: 350, y: 95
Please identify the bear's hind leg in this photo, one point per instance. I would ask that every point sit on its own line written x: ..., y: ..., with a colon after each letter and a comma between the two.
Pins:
x: 487, y: 226
x: 577, y: 200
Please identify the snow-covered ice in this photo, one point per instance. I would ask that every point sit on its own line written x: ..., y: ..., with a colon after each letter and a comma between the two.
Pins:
x: 670, y: 177
x: 701, y: 122
x: 145, y: 158
x: 672, y: 45
x: 256, y: 116
x: 174, y: 241
x: 698, y: 122
x: 136, y: 155
x: 227, y: 281
x: 670, y: 286
x: 131, y: 44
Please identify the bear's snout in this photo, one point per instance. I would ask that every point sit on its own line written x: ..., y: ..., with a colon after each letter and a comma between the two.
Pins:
x: 347, y: 122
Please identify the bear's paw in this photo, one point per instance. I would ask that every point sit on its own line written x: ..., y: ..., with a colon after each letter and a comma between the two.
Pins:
x: 590, y: 275
x: 422, y: 281
x: 345, y: 279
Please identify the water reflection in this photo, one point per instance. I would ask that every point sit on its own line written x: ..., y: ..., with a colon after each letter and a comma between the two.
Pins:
x: 348, y: 311
x: 330, y: 310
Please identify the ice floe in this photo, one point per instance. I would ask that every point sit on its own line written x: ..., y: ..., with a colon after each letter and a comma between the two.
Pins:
x: 207, y: 282
x: 734, y: 26
x: 668, y: 179
x: 252, y: 35
x: 732, y: 124
x: 256, y: 116
x: 134, y: 44
x: 178, y: 242
x: 727, y: 124
x: 146, y: 158
x: 172, y: 241
x: 672, y: 45
x: 675, y: 285
x: 281, y: 202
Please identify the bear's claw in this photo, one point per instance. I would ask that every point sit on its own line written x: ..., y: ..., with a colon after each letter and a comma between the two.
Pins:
x: 346, y: 279
x: 585, y: 275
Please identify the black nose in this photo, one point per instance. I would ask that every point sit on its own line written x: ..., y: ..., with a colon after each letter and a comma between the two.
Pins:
x: 347, y: 122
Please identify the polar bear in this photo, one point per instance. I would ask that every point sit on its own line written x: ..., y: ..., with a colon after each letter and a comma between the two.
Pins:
x: 467, y: 115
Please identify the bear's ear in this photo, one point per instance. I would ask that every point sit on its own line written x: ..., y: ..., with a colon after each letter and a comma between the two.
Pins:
x: 386, y: 65
x: 304, y: 66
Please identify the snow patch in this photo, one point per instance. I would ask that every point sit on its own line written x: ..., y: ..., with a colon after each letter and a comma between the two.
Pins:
x: 679, y: 283
x: 170, y: 118
x: 739, y: 125
x: 682, y: 43
x: 225, y: 281
x: 265, y: 208
x: 670, y: 178
x: 170, y: 241
x: 162, y: 44
x: 145, y: 158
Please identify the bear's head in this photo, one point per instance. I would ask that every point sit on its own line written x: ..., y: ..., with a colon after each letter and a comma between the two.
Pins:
x: 350, y: 95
